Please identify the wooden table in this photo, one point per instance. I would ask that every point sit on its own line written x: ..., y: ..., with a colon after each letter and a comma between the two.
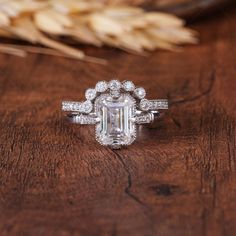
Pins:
x: 177, y: 179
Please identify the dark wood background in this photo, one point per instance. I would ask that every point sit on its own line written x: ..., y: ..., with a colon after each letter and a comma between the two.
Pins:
x: 177, y: 179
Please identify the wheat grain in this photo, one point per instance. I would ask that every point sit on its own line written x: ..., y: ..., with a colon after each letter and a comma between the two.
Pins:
x: 91, y: 22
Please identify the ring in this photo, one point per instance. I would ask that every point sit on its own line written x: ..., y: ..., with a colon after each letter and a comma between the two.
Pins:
x: 116, y: 108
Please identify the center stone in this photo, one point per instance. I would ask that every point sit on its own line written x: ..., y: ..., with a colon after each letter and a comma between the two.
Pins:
x: 116, y: 126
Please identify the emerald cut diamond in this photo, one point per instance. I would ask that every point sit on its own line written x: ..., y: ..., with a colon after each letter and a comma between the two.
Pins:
x: 117, y: 124
x: 115, y: 108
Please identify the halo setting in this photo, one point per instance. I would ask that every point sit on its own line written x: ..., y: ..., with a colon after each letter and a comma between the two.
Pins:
x: 116, y: 109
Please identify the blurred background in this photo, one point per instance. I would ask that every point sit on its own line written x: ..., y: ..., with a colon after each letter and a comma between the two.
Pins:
x: 133, y: 26
x: 177, y: 178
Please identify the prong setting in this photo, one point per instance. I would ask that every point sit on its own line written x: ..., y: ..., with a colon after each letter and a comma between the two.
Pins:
x: 115, y: 108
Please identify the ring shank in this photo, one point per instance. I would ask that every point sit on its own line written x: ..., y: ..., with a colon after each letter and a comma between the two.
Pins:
x: 158, y: 104
x: 148, y: 116
x: 76, y: 118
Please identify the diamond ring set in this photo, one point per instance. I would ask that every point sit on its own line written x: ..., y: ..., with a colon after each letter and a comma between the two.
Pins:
x: 115, y: 108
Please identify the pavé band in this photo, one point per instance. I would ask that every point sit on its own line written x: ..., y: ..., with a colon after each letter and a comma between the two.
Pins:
x: 115, y: 108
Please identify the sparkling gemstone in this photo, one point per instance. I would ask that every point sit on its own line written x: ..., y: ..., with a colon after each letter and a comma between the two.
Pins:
x: 116, y: 126
x: 90, y: 94
x: 115, y: 85
x: 115, y: 93
x: 158, y: 104
x: 86, y: 119
x: 144, y: 118
x: 86, y: 107
x: 101, y: 86
x: 128, y: 86
x: 140, y: 93
x: 144, y: 105
x: 71, y: 106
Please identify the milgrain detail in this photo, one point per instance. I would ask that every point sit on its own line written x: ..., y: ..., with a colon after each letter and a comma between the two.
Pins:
x: 177, y: 179
x: 116, y: 108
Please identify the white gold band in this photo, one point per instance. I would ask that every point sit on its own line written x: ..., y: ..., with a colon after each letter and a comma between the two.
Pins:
x: 115, y: 108
x: 92, y: 119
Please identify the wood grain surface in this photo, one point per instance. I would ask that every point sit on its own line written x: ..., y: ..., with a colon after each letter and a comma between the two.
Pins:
x: 177, y: 179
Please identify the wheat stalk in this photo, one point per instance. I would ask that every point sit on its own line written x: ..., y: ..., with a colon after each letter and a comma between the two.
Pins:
x: 90, y: 22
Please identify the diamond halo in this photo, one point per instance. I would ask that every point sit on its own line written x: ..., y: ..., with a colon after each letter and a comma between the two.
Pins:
x: 101, y: 86
x: 116, y: 109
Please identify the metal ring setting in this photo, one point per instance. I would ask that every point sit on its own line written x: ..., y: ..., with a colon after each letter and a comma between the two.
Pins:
x: 116, y: 108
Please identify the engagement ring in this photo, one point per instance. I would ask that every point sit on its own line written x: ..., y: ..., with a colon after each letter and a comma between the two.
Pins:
x: 116, y: 109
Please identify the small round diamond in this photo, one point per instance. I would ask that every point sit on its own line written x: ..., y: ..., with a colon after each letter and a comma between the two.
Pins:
x: 114, y: 85
x: 140, y: 93
x: 101, y: 86
x: 90, y: 94
x: 144, y: 105
x: 115, y: 93
x: 86, y: 107
x: 128, y: 86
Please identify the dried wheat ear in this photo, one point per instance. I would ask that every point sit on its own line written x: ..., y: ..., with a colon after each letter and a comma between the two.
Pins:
x: 90, y: 22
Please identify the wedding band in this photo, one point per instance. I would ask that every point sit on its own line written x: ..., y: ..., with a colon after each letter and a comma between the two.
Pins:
x: 116, y: 109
